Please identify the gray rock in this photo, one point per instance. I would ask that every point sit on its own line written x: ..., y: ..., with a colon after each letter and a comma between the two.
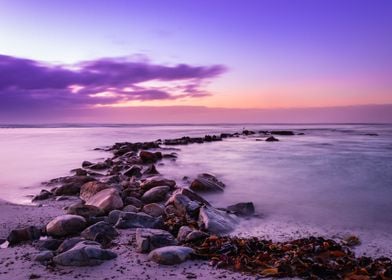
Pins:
x: 69, y: 243
x: 138, y: 220
x: 183, y: 233
x: 84, y: 254
x: 86, y: 211
x: 151, y: 170
x: 130, y: 208
x: 153, y: 209
x: 148, y: 239
x: 106, y: 200
x: 66, y: 225
x: 272, y: 139
x: 89, y: 189
x: 216, y: 221
x: 133, y: 201
x: 101, y: 232
x: 170, y: 255
x: 154, y: 182
x: 17, y: 236
x: 156, y: 194
x: 242, y: 209
x: 207, y: 183
x: 44, y: 256
x: 48, y: 244
x: 184, y: 206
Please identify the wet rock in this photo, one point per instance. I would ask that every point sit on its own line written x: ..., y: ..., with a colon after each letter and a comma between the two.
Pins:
x: 106, y: 200
x: 151, y: 170
x: 149, y: 157
x: 190, y: 194
x: 17, y: 236
x: 44, y: 256
x: 89, y: 189
x: 99, y: 166
x: 248, y: 132
x: 170, y: 255
x: 242, y: 209
x: 133, y: 171
x: 48, y: 244
x: 131, y: 208
x: 66, y: 225
x: 196, y: 235
x: 282, y: 132
x: 44, y: 194
x: 153, y: 209
x: 351, y: 241
x: 184, y: 205
x: 156, y: 194
x: 216, y: 221
x: 207, y: 183
x: 272, y: 139
x: 148, y: 239
x: 69, y: 243
x: 151, y: 183
x: 86, y: 211
x: 72, y: 185
x: 138, y: 220
x: 79, y: 172
x: 86, y: 163
x: 101, y: 232
x: 84, y: 254
x: 133, y: 201
x: 183, y: 233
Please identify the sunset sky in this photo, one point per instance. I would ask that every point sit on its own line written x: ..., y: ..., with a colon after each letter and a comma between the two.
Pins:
x: 104, y: 60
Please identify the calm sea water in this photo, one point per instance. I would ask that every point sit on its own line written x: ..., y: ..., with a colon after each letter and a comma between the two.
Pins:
x: 335, y: 179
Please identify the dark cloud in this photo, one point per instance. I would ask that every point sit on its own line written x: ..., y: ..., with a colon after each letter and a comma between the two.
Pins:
x: 25, y: 83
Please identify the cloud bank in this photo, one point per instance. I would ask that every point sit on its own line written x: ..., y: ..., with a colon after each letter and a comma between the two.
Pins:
x: 26, y: 83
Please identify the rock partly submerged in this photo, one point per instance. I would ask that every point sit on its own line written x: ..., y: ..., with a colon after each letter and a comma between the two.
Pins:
x: 207, y: 183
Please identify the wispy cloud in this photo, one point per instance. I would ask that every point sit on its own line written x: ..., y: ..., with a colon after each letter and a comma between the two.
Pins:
x: 28, y: 83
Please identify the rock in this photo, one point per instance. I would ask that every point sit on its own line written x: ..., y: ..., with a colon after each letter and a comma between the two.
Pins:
x: 149, y: 157
x: 72, y: 185
x: 17, y: 236
x: 196, y: 235
x: 138, y: 220
x: 84, y: 254
x: 151, y: 170
x: 216, y: 221
x: 282, y: 132
x: 79, y: 172
x: 190, y: 194
x: 86, y: 163
x: 86, y: 211
x: 242, y: 209
x: 48, y: 244
x: 148, y: 239
x: 130, y: 208
x: 44, y: 194
x: 170, y: 255
x: 155, y: 194
x: 272, y: 139
x: 207, y: 183
x: 151, y: 183
x: 351, y: 241
x: 133, y: 171
x: 101, y: 232
x: 133, y: 201
x: 184, y: 205
x: 69, y: 243
x: 99, y: 166
x: 89, y: 189
x: 153, y: 209
x: 66, y: 225
x: 183, y: 232
x: 106, y: 200
x: 44, y: 256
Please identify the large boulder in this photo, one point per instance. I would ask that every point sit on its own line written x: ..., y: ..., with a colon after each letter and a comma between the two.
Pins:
x: 66, y: 225
x: 148, y: 239
x: 153, y: 209
x: 17, y: 236
x: 89, y: 189
x: 101, y: 232
x: 84, y: 254
x: 170, y: 255
x: 106, y: 200
x: 242, y: 209
x: 86, y: 211
x: 156, y: 194
x: 207, y: 183
x: 138, y: 220
x: 216, y: 221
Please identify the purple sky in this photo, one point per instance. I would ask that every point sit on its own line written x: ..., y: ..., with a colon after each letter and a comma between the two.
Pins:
x: 74, y: 60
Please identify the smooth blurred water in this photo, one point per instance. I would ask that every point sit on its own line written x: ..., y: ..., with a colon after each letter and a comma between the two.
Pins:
x: 334, y: 176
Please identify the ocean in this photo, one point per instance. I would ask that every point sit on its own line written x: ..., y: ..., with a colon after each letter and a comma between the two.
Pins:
x: 334, y: 180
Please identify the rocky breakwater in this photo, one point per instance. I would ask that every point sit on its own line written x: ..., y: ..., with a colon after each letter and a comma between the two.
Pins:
x: 126, y: 193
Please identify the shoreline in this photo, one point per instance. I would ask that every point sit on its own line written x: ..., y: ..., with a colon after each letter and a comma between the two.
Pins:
x: 128, y: 152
